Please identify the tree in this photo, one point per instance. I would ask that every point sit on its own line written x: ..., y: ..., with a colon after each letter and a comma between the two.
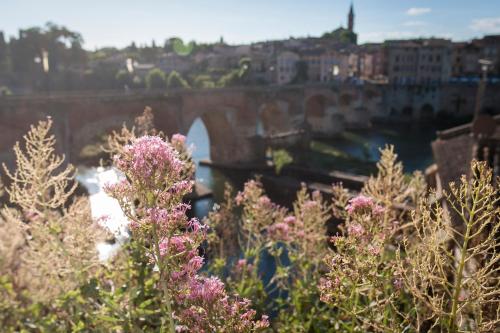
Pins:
x: 237, y: 76
x: 177, y: 45
x: 342, y: 35
x: 156, y: 79
x: 63, y: 46
x: 175, y: 80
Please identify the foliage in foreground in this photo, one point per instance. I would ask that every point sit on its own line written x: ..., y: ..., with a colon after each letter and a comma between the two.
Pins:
x: 402, y: 260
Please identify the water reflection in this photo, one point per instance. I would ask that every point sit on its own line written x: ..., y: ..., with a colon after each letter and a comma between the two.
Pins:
x: 104, y: 209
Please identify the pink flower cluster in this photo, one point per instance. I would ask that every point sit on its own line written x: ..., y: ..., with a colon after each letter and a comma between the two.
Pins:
x: 363, y: 204
x: 356, y: 230
x: 151, y: 196
x: 208, y: 299
x: 253, y: 194
x: 178, y: 139
x: 288, y: 230
x: 242, y: 266
x: 279, y: 231
x: 149, y: 160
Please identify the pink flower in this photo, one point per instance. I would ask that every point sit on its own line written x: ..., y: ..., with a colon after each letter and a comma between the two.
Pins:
x: 364, y: 204
x: 279, y: 231
x: 263, y: 322
x: 178, y: 138
x: 374, y: 250
x: 290, y: 220
x: 358, y: 203
x: 182, y: 188
x: 239, y: 198
x: 174, y: 245
x: 206, y: 290
x: 265, y: 202
x: 378, y: 210
x: 149, y: 160
x: 355, y: 229
x: 242, y: 265
x: 158, y: 215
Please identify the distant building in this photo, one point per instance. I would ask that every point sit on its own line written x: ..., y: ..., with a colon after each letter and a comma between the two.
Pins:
x: 490, y: 49
x: 465, y: 60
x: 420, y: 61
x: 286, y: 66
x: 330, y: 66
x: 313, y: 61
x: 334, y: 66
x: 372, y: 62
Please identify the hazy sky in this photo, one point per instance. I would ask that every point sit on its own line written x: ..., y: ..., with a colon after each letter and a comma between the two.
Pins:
x: 118, y: 22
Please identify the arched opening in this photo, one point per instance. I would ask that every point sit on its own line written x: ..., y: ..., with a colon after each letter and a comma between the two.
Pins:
x: 213, y: 137
x: 427, y: 112
x: 198, y: 138
x: 198, y: 141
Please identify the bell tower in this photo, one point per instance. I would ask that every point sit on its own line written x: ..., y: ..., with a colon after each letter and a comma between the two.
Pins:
x: 350, y: 19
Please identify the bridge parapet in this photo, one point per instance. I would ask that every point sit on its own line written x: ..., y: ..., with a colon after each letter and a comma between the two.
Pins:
x: 232, y: 115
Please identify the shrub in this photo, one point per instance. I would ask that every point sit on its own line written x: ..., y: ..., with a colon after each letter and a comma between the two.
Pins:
x: 155, y: 79
x: 47, y: 240
x: 5, y: 91
x: 175, y: 80
x: 281, y: 158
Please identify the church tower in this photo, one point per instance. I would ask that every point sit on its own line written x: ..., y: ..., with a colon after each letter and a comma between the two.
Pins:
x: 350, y: 19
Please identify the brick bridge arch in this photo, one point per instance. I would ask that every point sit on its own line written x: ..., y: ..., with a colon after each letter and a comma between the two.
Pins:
x: 231, y: 116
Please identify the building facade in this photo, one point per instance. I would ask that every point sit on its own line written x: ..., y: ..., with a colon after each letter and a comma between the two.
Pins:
x: 422, y: 61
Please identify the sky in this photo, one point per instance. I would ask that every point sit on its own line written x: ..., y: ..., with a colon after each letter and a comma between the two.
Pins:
x: 119, y: 22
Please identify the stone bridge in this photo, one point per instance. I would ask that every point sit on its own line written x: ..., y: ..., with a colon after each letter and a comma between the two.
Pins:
x: 236, y: 119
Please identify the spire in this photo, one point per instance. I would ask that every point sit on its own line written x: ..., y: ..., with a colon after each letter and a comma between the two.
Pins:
x: 350, y: 18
